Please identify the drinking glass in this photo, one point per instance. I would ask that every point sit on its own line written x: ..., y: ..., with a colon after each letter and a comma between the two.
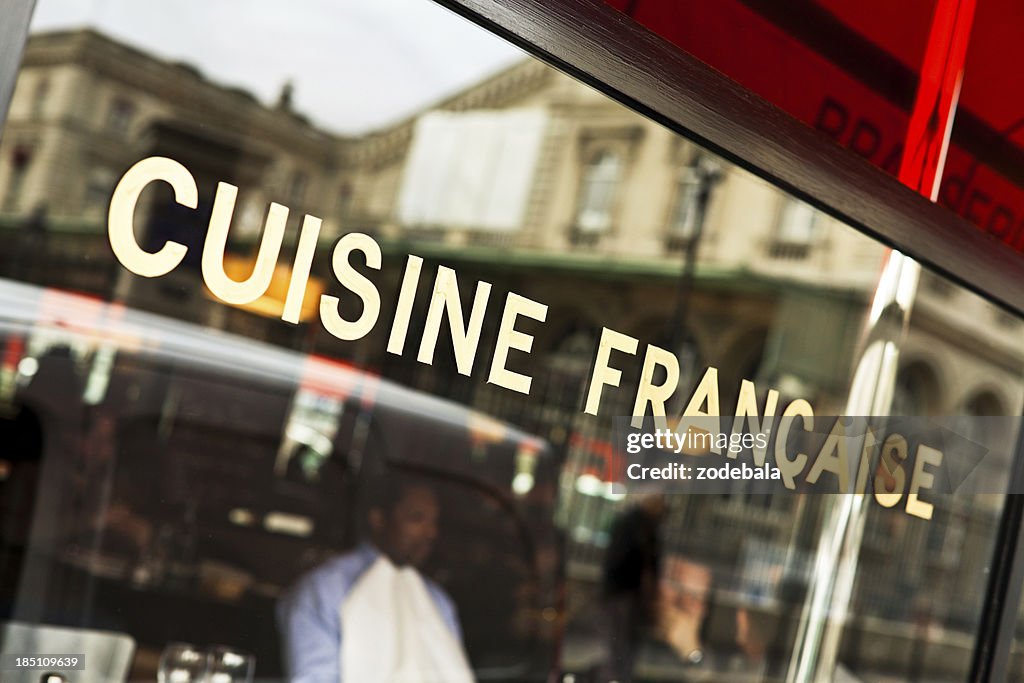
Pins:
x: 228, y: 665
x: 183, y: 663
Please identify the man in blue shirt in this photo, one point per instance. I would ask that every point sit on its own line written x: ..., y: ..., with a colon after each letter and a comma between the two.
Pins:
x: 403, y: 527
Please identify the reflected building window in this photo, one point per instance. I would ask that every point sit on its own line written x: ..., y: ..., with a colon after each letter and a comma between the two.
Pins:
x: 344, y: 207
x: 597, y: 194
x: 984, y: 404
x: 683, y: 222
x: 21, y: 159
x: 99, y: 189
x: 297, y: 190
x: 796, y: 231
x: 39, y: 96
x: 973, y: 425
x: 471, y: 171
x: 916, y: 391
x: 120, y: 116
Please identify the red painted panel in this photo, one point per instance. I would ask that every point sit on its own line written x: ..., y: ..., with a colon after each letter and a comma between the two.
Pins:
x: 851, y: 69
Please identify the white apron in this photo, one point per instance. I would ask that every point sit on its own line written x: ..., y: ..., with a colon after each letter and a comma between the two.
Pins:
x: 392, y: 632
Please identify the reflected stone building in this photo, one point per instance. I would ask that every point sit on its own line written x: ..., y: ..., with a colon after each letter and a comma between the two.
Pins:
x: 538, y: 184
x: 549, y: 176
x: 87, y: 107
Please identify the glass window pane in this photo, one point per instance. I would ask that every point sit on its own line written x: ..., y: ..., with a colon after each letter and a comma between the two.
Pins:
x: 277, y: 334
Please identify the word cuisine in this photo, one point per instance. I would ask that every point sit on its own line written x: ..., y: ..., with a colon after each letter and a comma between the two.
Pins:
x: 444, y: 297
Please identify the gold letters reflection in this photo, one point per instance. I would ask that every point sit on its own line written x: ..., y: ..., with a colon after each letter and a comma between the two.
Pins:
x: 444, y: 300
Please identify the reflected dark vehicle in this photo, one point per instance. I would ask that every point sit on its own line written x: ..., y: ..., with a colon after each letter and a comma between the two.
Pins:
x: 163, y: 482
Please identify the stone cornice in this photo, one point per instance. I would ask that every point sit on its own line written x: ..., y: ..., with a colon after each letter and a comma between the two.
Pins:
x: 181, y: 87
x: 193, y: 97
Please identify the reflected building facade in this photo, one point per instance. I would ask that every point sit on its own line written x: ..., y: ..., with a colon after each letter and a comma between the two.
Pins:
x: 531, y: 181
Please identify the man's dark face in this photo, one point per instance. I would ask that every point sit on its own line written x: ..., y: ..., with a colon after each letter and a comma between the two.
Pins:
x: 406, y: 534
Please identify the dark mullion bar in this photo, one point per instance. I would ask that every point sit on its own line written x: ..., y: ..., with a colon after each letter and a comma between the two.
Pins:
x: 1001, y: 607
x: 599, y: 45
